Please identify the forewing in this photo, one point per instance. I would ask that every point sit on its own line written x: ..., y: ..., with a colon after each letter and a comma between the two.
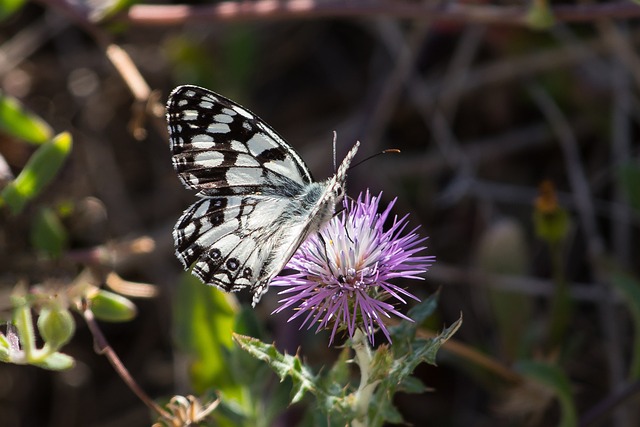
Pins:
x: 222, y: 148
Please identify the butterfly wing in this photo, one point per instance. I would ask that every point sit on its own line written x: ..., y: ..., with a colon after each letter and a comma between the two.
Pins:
x: 258, y: 201
x: 232, y: 240
x: 220, y: 148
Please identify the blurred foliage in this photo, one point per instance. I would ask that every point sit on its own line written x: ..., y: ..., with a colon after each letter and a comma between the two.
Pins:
x: 546, y: 351
x: 503, y: 249
x: 553, y: 377
x: 233, y: 67
x: 205, y: 320
x: 48, y: 234
x: 629, y: 175
x: 9, y: 7
x: 629, y: 287
x: 15, y: 120
x: 39, y: 171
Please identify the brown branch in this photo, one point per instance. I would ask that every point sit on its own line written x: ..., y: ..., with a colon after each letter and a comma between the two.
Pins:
x: 167, y: 15
x: 119, y: 58
x: 103, y: 347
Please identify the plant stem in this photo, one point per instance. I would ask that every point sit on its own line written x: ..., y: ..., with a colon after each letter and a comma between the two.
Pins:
x: 24, y: 323
x: 103, y: 347
x: 362, y: 397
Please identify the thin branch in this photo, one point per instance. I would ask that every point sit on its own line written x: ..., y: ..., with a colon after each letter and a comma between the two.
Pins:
x: 28, y: 40
x: 103, y: 347
x: 621, y: 133
x: 606, y: 406
x: 161, y: 15
x: 118, y: 57
x: 524, y: 285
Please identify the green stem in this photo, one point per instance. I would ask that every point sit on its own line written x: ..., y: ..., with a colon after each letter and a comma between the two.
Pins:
x: 362, y: 397
x: 561, y: 303
x: 24, y: 324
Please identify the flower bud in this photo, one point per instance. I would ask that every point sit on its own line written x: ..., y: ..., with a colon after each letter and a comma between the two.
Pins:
x: 112, y: 307
x: 56, y: 326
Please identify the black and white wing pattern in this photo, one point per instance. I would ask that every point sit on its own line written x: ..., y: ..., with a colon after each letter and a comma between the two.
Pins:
x: 257, y: 200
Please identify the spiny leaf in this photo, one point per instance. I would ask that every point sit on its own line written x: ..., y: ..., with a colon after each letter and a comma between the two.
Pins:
x: 283, y: 365
x: 406, y: 331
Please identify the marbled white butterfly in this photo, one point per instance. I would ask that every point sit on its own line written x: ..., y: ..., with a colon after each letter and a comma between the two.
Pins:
x: 257, y: 200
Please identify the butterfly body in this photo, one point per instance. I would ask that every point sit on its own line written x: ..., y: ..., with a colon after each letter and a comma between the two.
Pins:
x: 257, y: 199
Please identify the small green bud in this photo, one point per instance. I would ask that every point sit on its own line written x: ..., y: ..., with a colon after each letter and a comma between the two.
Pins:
x: 112, y: 307
x: 550, y: 221
x: 56, y: 325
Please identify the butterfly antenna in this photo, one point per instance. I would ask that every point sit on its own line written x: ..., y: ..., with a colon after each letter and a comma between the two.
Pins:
x: 390, y: 150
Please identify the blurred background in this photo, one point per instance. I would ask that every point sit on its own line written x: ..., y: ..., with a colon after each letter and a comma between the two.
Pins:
x: 519, y: 160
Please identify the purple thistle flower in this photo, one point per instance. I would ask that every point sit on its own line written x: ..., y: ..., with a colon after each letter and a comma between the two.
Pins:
x: 343, y: 272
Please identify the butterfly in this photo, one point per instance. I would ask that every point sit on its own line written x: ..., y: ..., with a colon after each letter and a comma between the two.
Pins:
x: 257, y: 201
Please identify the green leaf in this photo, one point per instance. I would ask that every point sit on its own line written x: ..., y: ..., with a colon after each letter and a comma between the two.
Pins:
x: 56, y: 362
x: 9, y: 7
x: 383, y: 410
x: 110, y: 307
x: 23, y: 322
x: 412, y: 385
x: 404, y: 361
x: 553, y: 377
x: 14, y: 117
x: 431, y: 349
x: 5, y: 349
x: 629, y: 286
x: 393, y: 366
x: 283, y: 365
x: 48, y: 235
x: 338, y: 374
x: 41, y: 168
x: 406, y: 331
x: 203, y: 323
x: 419, y: 313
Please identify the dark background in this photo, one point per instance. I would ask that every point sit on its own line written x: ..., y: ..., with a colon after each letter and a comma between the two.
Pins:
x: 482, y: 114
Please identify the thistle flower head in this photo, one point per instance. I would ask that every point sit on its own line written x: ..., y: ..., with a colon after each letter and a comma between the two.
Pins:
x: 344, y: 271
